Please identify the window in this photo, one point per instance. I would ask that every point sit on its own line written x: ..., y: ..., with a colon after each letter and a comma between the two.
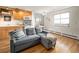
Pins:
x: 57, y: 19
x: 37, y: 21
x: 61, y: 18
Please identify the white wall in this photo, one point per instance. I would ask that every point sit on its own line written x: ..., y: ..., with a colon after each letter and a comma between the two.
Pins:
x: 33, y: 19
x: 72, y: 29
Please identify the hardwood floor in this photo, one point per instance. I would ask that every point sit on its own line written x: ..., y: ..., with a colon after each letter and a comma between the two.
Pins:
x: 4, y: 46
x: 63, y: 45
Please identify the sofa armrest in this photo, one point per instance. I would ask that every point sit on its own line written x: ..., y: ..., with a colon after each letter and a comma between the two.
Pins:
x: 12, y: 48
x: 44, y: 32
x: 12, y: 43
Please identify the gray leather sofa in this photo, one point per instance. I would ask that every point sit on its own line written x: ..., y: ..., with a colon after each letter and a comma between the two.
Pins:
x: 22, y: 39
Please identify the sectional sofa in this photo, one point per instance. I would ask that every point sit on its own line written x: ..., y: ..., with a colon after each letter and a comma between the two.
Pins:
x: 23, y: 39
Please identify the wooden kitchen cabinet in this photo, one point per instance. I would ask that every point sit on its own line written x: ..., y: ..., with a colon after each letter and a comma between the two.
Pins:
x: 16, y: 13
x: 19, y: 15
x: 4, y: 31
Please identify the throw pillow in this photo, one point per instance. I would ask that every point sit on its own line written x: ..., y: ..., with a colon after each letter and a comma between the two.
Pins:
x: 18, y: 34
x: 38, y: 30
x: 30, y: 31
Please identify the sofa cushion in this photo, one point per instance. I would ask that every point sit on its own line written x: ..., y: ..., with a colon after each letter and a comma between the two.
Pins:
x: 38, y: 30
x: 33, y: 36
x: 26, y: 45
x: 30, y: 31
x: 41, y: 34
x: 27, y: 39
x: 18, y: 34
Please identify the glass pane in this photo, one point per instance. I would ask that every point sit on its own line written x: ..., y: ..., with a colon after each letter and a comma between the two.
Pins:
x: 56, y: 16
x: 61, y: 18
x: 64, y: 21
x: 65, y: 15
x: 37, y: 20
x: 56, y: 21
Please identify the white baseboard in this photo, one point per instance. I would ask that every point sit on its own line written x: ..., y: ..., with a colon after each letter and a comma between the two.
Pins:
x: 71, y: 36
x: 67, y: 35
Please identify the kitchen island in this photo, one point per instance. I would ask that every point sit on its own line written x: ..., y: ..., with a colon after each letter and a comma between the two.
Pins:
x: 4, y: 30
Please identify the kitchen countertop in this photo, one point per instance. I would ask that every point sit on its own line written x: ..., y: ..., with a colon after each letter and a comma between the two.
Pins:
x: 10, y: 25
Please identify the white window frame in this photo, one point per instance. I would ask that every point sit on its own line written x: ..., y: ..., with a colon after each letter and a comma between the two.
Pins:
x: 60, y: 19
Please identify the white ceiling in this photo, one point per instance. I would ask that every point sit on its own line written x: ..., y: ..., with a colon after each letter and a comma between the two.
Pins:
x: 41, y: 9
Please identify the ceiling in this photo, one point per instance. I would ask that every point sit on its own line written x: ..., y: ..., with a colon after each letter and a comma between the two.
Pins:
x: 41, y: 9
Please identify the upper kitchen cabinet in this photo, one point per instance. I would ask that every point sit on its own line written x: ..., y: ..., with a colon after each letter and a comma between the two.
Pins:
x: 17, y: 14
x: 20, y: 14
x: 5, y: 11
x: 6, y: 14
